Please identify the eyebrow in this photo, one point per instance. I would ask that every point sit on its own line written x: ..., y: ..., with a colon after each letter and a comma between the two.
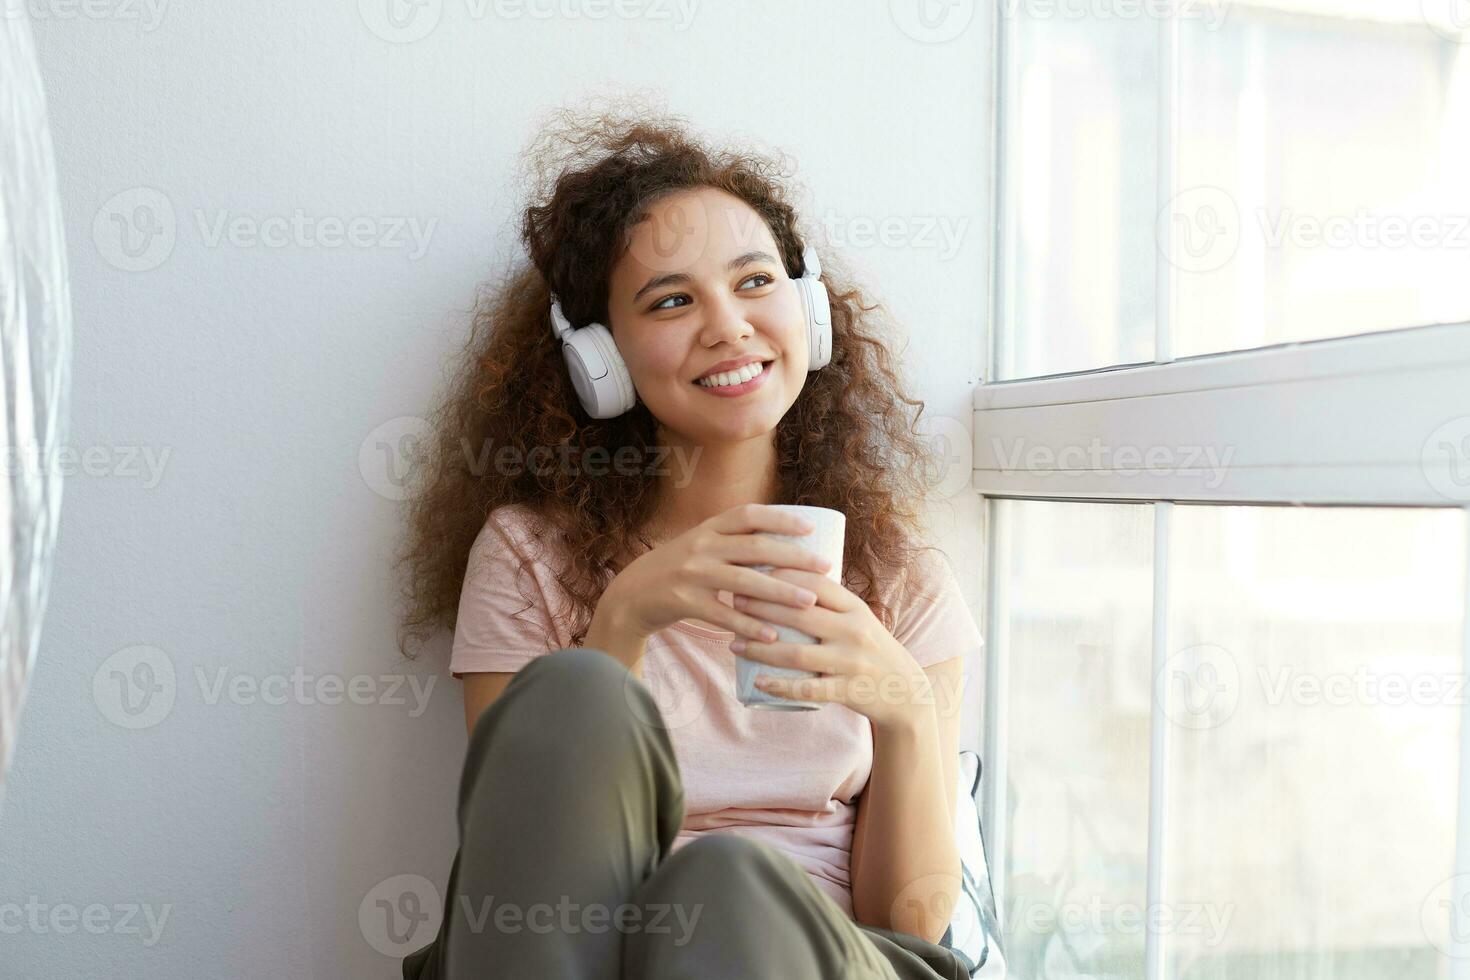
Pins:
x: 680, y: 277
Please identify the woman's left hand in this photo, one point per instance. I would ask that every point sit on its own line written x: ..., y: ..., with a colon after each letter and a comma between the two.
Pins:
x: 865, y: 668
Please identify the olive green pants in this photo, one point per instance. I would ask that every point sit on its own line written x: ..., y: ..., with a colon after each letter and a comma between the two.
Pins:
x: 568, y: 804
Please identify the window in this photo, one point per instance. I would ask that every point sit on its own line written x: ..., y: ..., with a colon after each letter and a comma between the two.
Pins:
x: 1227, y: 454
x: 1311, y: 180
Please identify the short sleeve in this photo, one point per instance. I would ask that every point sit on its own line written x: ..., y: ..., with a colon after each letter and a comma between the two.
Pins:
x: 934, y: 622
x: 506, y: 604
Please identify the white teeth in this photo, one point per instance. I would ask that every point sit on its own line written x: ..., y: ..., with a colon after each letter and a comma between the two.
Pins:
x: 738, y: 376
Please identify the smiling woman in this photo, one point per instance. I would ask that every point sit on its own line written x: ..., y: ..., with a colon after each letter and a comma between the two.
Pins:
x: 622, y: 202
x: 673, y: 306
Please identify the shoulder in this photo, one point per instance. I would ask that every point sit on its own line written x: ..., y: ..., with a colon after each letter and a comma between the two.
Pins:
x: 521, y: 525
x: 933, y: 618
x: 512, y: 605
x: 511, y: 532
x: 926, y: 578
x: 513, y: 560
x: 516, y: 522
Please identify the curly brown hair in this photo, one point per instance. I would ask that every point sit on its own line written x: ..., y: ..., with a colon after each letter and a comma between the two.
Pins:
x: 847, y: 443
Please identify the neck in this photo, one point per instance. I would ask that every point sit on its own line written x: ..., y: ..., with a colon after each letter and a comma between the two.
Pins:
x: 702, y: 481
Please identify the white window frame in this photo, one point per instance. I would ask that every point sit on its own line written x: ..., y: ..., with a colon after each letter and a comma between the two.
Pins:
x: 1347, y: 421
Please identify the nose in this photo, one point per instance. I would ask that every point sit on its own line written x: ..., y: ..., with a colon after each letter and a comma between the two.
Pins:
x: 723, y: 322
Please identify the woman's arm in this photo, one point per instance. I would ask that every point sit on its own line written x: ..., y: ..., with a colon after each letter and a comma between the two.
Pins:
x: 611, y: 633
x: 905, y: 865
x: 481, y: 688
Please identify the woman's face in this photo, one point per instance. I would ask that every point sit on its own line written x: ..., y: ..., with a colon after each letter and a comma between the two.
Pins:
x: 701, y: 284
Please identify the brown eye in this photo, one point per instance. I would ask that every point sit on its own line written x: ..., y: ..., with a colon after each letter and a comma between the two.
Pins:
x: 660, y: 304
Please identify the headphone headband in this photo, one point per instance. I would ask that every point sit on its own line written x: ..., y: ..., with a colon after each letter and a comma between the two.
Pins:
x: 560, y: 326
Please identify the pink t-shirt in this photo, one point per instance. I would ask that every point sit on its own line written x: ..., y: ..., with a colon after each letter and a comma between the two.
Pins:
x: 739, y: 770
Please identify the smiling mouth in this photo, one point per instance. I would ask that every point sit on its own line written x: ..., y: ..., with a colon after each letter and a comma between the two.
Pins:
x: 736, y: 378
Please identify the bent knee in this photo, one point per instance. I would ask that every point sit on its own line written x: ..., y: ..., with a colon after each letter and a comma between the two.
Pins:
x: 572, y: 688
x: 722, y: 849
x: 719, y: 864
x: 575, y: 665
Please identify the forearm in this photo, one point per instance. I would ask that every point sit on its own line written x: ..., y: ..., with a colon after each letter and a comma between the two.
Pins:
x: 610, y: 633
x: 906, y: 865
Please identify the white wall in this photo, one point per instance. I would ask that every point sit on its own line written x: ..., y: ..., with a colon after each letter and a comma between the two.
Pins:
x: 253, y: 375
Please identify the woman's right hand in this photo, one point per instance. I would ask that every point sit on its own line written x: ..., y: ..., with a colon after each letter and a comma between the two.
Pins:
x: 680, y: 578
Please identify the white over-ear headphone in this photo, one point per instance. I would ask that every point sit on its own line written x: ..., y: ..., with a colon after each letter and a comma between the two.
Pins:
x: 601, y: 377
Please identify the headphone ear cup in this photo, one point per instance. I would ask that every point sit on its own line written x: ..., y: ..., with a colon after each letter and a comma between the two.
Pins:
x: 817, y: 307
x: 598, y: 372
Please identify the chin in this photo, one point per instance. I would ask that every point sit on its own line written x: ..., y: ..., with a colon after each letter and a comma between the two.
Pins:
x: 756, y: 423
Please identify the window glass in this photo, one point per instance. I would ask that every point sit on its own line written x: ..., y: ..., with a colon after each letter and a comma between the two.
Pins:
x: 1077, y: 585
x: 1322, y: 189
x: 1317, y: 683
